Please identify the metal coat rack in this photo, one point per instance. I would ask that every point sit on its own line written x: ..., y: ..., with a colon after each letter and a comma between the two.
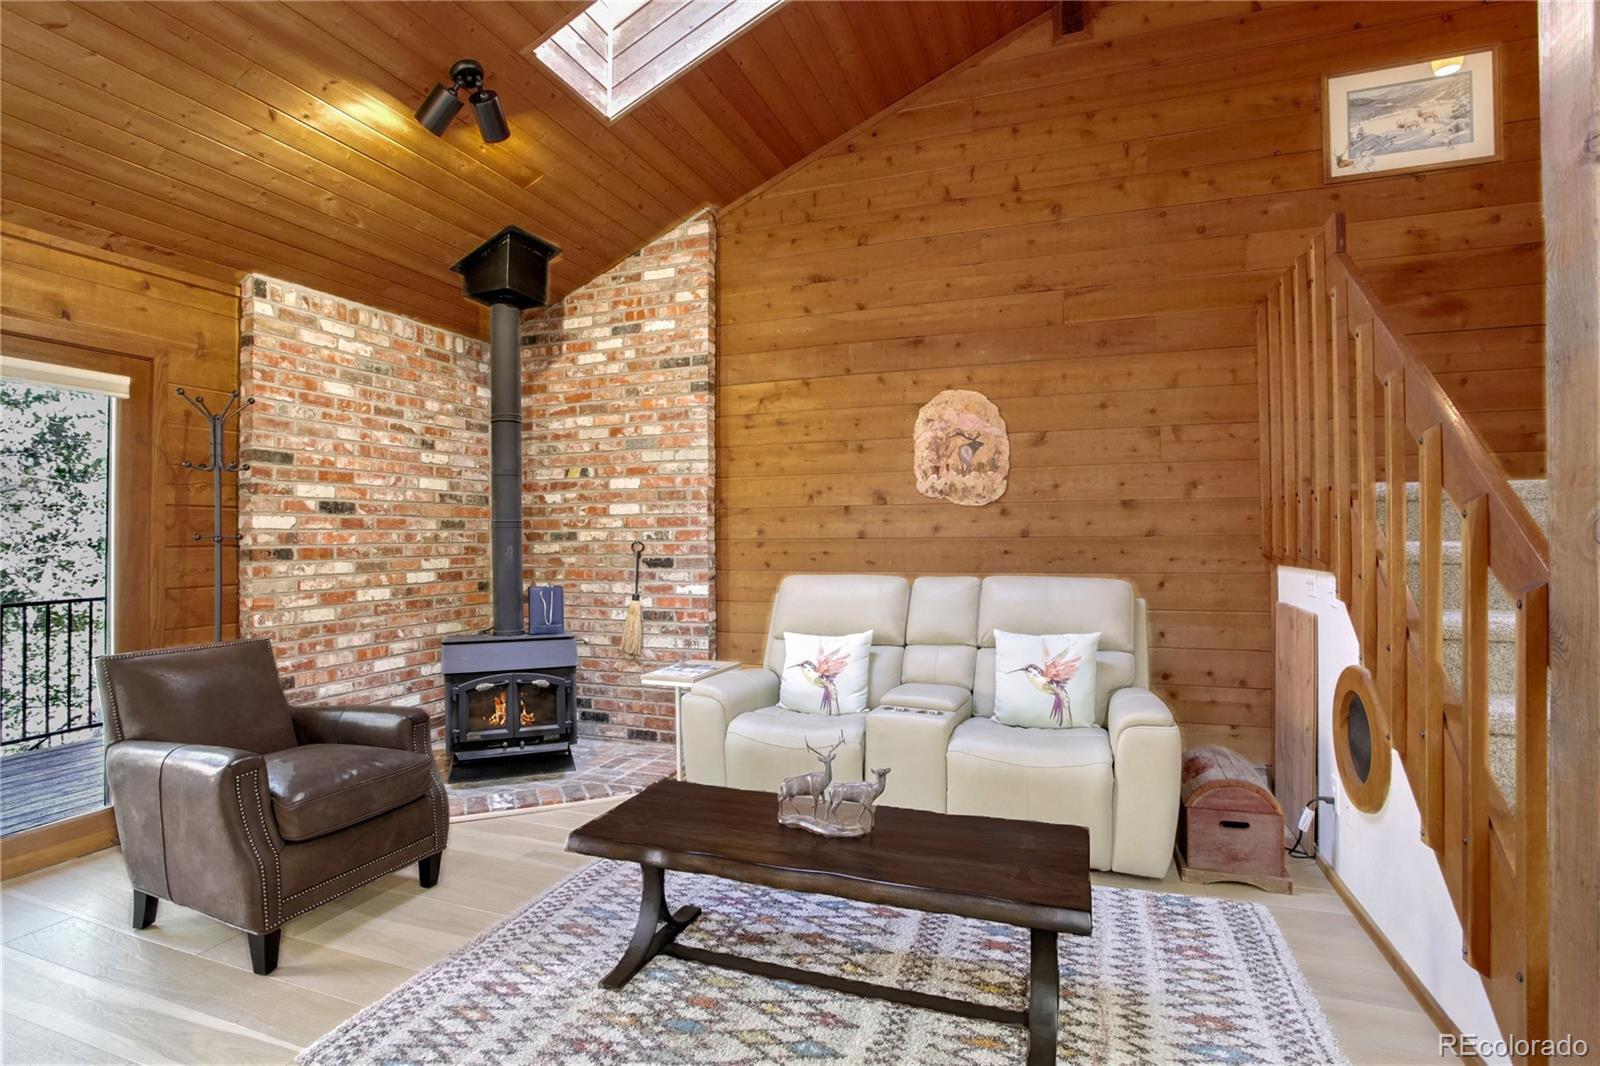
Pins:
x: 217, y: 465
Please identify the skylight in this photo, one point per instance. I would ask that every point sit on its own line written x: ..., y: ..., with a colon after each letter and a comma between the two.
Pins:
x: 615, y: 53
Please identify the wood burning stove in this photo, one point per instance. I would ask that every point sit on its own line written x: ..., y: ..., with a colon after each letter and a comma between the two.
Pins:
x: 508, y: 691
x: 515, y: 696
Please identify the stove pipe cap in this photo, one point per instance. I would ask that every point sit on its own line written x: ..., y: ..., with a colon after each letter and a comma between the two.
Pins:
x: 512, y: 267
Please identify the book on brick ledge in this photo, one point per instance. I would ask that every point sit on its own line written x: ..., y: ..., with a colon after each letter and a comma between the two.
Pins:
x: 687, y: 671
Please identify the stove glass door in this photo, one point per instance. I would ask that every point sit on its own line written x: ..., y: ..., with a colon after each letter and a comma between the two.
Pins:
x: 487, y: 706
x: 539, y: 702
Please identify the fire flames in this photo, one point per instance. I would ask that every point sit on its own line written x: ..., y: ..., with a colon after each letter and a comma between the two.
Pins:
x: 497, y: 720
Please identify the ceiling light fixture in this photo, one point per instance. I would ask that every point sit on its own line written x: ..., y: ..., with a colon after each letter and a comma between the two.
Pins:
x: 1443, y: 68
x: 444, y: 101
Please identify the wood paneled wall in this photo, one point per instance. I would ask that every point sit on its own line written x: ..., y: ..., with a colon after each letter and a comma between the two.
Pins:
x: 1080, y: 230
x: 188, y: 327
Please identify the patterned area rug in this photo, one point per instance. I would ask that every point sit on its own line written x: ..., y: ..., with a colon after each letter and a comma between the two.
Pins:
x: 1164, y: 979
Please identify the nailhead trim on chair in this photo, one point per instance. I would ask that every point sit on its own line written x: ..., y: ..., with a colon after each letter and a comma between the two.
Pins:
x: 435, y: 788
x: 364, y: 881
x: 435, y: 795
x: 358, y: 869
x: 261, y: 867
x: 113, y: 712
x: 277, y: 859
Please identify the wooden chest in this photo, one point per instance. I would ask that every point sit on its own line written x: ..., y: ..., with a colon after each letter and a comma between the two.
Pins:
x: 1230, y: 827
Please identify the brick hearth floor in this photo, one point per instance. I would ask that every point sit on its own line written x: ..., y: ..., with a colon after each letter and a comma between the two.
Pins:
x: 599, y: 768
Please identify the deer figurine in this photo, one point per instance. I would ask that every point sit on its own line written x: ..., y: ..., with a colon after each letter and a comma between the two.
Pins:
x: 865, y: 793
x: 816, y: 783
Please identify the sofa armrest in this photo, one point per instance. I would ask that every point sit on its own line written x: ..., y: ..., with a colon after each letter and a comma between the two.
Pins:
x: 736, y: 692
x: 405, y: 728
x: 1147, y: 765
x: 705, y: 712
x: 1135, y: 707
x: 196, y: 827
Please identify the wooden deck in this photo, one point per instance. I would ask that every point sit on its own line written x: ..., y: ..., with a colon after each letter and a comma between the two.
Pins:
x: 38, y: 787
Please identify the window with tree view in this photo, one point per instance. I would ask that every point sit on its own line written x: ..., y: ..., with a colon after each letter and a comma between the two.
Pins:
x: 55, y: 479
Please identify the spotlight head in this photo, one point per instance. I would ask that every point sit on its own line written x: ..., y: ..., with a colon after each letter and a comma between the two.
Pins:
x: 438, y: 109
x: 491, y: 116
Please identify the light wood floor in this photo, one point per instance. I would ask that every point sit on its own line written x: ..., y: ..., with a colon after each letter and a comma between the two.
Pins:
x: 79, y: 986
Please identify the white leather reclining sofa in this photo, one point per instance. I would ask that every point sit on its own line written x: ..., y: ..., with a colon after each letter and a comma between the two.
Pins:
x: 933, y: 649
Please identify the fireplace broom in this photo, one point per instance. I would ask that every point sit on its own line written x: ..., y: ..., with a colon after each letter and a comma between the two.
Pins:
x: 633, y: 626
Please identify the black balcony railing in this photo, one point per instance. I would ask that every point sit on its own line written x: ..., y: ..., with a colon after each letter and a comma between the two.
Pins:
x: 47, y: 686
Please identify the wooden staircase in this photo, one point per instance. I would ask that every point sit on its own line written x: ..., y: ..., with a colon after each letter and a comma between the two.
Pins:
x: 1502, y: 618
x: 1351, y: 418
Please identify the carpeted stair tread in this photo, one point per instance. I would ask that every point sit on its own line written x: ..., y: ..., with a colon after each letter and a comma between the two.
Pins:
x: 1450, y: 552
x: 1534, y: 493
x: 1502, y: 626
x: 1503, y: 765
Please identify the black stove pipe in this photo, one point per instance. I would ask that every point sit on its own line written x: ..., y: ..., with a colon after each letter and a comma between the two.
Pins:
x: 510, y: 273
x: 505, y: 464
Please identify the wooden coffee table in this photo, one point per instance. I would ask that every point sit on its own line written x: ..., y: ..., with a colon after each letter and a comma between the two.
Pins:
x: 1029, y: 874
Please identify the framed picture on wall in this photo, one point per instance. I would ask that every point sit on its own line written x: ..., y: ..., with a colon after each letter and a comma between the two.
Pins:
x: 1440, y: 112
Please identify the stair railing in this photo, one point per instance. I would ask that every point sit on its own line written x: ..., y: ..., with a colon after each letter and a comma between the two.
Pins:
x: 1344, y: 401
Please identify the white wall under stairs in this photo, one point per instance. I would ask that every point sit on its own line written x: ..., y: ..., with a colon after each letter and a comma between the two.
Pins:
x: 1502, y: 620
x: 1381, y: 857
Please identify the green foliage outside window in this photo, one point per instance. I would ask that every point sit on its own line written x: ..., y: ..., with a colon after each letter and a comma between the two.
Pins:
x: 54, y: 480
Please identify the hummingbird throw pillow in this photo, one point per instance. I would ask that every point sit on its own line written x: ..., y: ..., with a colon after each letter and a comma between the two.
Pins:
x: 825, y: 675
x: 1045, y: 682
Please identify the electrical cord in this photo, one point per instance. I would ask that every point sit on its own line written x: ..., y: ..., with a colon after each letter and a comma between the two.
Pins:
x: 1294, y: 849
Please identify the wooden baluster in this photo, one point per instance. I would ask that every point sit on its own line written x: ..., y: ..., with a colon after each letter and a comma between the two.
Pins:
x: 1394, y: 458
x: 1430, y: 472
x: 1321, y: 512
x: 1264, y: 426
x: 1291, y: 536
x: 1533, y: 725
x: 1475, y: 715
x: 1366, y: 615
x: 1302, y: 414
x: 1341, y: 443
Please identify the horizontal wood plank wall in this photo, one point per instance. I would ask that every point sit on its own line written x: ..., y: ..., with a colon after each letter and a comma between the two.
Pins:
x: 1080, y: 231
x: 194, y: 322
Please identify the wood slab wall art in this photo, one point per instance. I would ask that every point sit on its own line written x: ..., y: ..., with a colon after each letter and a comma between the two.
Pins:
x: 960, y: 449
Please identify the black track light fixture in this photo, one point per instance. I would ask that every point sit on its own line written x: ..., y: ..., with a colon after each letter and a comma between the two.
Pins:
x: 491, y: 116
x: 466, y: 75
x: 438, y: 109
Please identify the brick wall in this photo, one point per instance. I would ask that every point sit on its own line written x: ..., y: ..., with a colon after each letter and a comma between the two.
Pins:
x: 618, y: 411
x: 365, y: 513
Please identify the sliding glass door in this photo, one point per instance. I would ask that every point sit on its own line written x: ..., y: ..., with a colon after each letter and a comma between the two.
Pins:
x: 58, y: 429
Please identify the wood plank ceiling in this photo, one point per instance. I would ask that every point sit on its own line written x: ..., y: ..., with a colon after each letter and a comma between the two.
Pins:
x: 269, y: 137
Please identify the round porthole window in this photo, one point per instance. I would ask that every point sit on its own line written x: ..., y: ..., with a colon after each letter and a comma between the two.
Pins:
x: 1361, y: 740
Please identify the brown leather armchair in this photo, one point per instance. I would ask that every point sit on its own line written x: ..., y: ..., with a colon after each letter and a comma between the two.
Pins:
x: 232, y: 802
